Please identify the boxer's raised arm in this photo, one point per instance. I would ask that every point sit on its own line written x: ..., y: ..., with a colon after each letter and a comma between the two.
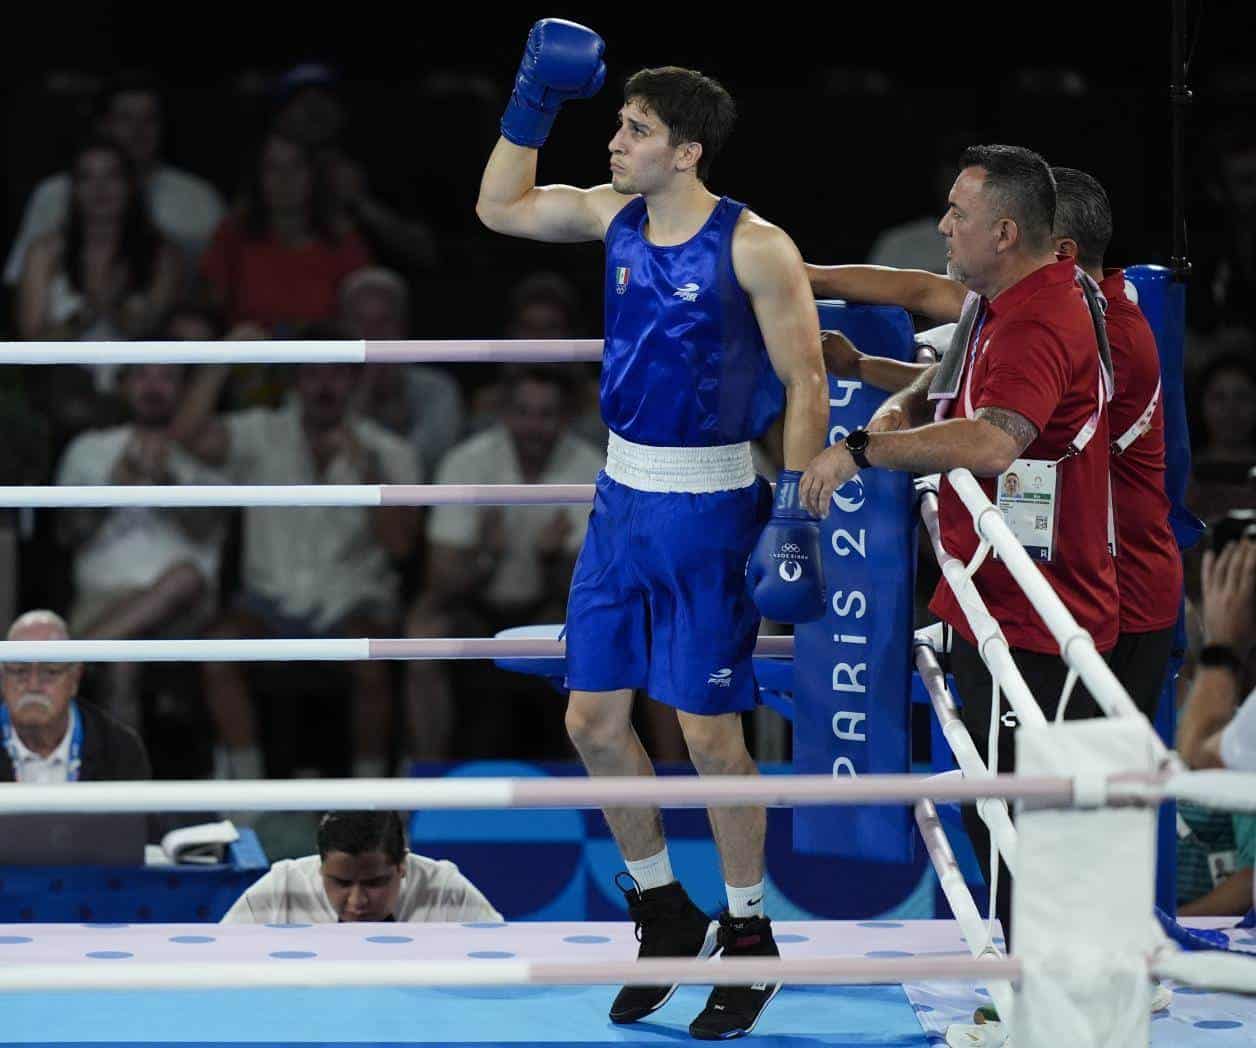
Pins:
x: 562, y: 61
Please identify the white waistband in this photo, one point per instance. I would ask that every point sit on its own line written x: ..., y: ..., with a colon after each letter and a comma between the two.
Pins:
x: 693, y: 470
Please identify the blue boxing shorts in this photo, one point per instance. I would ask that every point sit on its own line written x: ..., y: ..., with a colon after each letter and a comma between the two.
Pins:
x: 659, y: 598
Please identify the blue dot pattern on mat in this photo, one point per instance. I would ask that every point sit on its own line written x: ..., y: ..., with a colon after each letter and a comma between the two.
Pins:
x: 592, y: 938
x: 792, y: 937
x: 485, y: 924
x: 389, y: 938
x: 104, y: 924
x: 109, y: 955
x: 1192, y: 991
x: 1218, y: 1024
x: 889, y: 953
x: 192, y: 938
x: 287, y: 926
x: 879, y: 924
x: 490, y: 955
x: 14, y: 940
x: 293, y: 955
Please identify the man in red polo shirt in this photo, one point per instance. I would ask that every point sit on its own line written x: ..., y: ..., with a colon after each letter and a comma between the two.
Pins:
x: 1148, y: 563
x: 1029, y: 397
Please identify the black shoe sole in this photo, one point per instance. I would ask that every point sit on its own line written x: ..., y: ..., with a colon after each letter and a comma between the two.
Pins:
x: 731, y: 1034
x: 708, y: 950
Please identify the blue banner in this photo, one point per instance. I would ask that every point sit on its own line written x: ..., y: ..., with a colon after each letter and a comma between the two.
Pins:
x: 852, y: 674
x: 1163, y: 302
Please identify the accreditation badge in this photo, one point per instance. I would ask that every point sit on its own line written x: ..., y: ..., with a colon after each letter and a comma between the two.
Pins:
x: 1027, y: 500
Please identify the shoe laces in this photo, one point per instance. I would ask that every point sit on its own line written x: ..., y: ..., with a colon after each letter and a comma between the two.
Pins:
x: 629, y: 892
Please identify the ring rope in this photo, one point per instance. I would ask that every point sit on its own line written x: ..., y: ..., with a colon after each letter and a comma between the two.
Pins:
x: 189, y: 495
x: 343, y: 351
x: 334, y: 649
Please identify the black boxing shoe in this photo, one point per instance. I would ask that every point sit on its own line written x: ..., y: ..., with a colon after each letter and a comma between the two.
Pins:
x: 668, y: 925
x: 733, y: 1011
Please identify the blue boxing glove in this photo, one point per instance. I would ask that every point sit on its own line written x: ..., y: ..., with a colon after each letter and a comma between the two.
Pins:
x: 562, y: 60
x: 784, y: 572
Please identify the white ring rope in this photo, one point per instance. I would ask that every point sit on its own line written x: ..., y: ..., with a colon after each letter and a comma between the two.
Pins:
x: 449, y: 793
x: 334, y: 649
x: 347, y: 351
x: 960, y: 899
x: 187, y: 495
x: 994, y: 811
x: 991, y: 643
x: 813, y: 971
x: 1076, y: 646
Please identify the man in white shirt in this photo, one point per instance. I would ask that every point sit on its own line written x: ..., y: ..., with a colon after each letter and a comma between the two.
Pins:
x: 494, y: 567
x: 307, y: 572
x: 185, y: 207
x: 363, y: 872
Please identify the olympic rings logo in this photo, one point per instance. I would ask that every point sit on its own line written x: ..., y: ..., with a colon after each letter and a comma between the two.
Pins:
x: 791, y: 547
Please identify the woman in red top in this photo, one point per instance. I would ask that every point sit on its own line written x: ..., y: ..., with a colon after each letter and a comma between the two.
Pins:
x: 276, y: 264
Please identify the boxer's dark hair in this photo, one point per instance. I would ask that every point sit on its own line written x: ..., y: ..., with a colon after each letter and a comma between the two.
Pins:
x: 1083, y: 214
x: 1022, y: 187
x: 358, y: 832
x: 694, y: 107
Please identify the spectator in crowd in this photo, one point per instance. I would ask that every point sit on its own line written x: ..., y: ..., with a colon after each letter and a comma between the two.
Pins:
x: 418, y: 402
x: 493, y: 567
x: 1223, y: 434
x: 25, y: 458
x: 190, y: 321
x: 278, y: 262
x: 1222, y: 290
x: 49, y: 736
x: 363, y: 871
x: 106, y: 273
x: 140, y: 571
x: 305, y: 572
x: 1217, y: 850
x: 312, y: 112
x: 184, y: 207
x: 546, y: 306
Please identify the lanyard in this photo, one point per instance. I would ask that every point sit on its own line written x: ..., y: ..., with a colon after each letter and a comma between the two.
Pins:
x: 1141, y: 426
x: 76, y: 743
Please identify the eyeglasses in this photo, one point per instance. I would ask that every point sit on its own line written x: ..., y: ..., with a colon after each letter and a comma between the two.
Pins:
x: 45, y: 673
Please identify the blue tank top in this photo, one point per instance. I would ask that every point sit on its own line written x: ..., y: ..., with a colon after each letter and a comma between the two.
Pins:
x: 684, y: 364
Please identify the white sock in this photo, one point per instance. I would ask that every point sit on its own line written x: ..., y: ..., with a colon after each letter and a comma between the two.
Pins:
x: 653, y: 871
x: 747, y: 901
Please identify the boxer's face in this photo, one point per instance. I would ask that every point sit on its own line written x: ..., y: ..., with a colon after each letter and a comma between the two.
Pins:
x: 643, y: 160
x: 362, y: 887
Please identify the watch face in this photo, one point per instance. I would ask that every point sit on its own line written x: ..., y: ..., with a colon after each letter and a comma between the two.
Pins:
x: 857, y: 440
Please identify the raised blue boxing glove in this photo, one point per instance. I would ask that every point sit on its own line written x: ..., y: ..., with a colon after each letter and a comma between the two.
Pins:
x: 562, y: 60
x: 784, y: 572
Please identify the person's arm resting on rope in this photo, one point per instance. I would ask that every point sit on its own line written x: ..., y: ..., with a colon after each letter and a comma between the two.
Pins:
x: 562, y: 61
x: 916, y: 290
x: 785, y: 571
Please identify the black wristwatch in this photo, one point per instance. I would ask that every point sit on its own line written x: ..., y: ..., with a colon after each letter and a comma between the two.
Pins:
x: 1220, y: 656
x: 857, y: 445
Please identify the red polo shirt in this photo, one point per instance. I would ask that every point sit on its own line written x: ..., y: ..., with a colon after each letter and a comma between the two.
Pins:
x: 1148, y: 564
x: 1036, y: 354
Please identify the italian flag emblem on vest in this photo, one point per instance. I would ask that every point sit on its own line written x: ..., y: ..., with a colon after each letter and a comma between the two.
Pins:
x: 622, y: 273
